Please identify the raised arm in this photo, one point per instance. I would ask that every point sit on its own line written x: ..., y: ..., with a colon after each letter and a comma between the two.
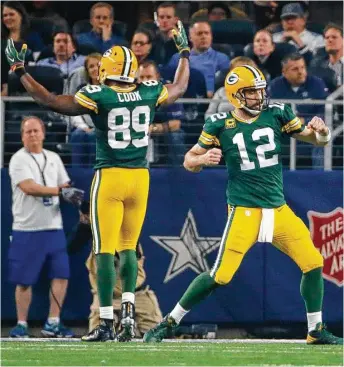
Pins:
x: 63, y: 104
x: 181, y: 78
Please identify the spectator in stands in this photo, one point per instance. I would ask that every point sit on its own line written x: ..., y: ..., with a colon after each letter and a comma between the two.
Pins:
x: 5, y: 68
x: 202, y: 56
x: 293, y: 19
x: 265, y: 56
x: 66, y: 58
x: 220, y: 103
x: 141, y: 44
x: 167, y: 127
x: 16, y: 25
x: 295, y: 83
x: 333, y: 58
x: 164, y: 47
x: 220, y: 10
x: 44, y: 10
x: 83, y: 137
x: 101, y: 37
x: 38, y: 178
x: 147, y: 310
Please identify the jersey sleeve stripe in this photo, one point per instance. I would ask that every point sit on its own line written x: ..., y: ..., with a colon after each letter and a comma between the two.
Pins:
x: 86, y: 102
x: 163, y: 95
x: 205, y: 141
x: 294, y: 124
x: 206, y: 135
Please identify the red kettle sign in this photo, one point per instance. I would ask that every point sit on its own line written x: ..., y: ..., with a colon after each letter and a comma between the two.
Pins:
x: 327, y: 234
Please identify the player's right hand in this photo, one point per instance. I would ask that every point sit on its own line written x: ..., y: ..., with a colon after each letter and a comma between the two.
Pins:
x: 212, y: 157
x: 15, y: 59
x: 180, y: 38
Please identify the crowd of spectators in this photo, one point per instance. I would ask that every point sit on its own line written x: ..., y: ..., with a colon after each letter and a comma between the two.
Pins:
x: 277, y: 37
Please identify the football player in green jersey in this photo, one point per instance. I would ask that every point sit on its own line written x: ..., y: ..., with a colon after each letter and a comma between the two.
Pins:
x: 121, y: 110
x: 249, y: 139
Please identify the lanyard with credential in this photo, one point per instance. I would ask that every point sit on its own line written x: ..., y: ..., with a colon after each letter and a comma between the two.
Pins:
x: 41, y: 171
x: 47, y: 200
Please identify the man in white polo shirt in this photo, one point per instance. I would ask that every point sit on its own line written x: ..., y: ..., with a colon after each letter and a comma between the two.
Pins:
x: 38, y: 178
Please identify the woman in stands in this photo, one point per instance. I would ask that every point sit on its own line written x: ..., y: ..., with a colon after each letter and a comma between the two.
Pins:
x: 16, y: 25
x: 141, y: 44
x: 83, y: 137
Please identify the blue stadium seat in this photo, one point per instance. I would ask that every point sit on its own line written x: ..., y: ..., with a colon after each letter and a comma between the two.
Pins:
x: 50, y: 77
x: 233, y: 31
x: 224, y: 48
x: 327, y: 75
x: 83, y: 26
x: 44, y: 27
x: 220, y: 78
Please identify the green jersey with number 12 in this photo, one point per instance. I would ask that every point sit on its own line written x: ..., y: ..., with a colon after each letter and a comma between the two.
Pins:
x: 252, y: 153
x: 121, y: 118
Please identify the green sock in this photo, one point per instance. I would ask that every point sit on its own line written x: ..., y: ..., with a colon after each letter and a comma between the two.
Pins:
x: 312, y: 290
x: 199, y: 289
x: 128, y: 270
x: 106, y: 277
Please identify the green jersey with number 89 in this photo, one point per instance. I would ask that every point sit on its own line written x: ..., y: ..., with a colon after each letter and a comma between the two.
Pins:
x: 121, y: 118
x: 252, y: 152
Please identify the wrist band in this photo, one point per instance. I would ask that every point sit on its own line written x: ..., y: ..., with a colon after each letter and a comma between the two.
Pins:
x: 323, y: 138
x: 185, y: 54
x: 19, y: 71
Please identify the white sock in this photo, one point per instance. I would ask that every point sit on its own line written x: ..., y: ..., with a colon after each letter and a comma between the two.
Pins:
x: 128, y: 297
x: 53, y: 320
x: 178, y: 313
x: 23, y: 323
x: 106, y: 312
x: 313, y: 319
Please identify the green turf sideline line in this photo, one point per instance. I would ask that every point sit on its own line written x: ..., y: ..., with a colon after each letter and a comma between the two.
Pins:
x: 181, y: 341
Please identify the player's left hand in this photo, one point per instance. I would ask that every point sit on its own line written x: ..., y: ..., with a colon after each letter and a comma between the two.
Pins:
x: 15, y: 59
x: 318, y: 125
x: 180, y: 38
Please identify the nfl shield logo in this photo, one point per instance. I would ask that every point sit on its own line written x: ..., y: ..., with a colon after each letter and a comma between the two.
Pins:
x: 327, y: 234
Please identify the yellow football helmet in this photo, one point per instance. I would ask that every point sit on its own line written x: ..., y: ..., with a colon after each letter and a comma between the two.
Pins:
x: 118, y: 63
x: 246, y: 77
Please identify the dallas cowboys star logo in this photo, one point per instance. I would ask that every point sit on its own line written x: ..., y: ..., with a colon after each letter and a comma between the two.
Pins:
x: 188, y: 250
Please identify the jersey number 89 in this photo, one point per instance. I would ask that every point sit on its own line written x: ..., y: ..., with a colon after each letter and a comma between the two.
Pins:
x: 130, y: 121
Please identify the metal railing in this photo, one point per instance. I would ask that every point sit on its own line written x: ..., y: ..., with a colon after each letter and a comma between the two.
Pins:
x: 292, y: 146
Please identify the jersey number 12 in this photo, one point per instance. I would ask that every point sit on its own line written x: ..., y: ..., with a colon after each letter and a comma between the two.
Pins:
x: 260, y: 150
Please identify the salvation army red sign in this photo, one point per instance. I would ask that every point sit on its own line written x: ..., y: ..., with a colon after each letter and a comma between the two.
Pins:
x: 327, y: 234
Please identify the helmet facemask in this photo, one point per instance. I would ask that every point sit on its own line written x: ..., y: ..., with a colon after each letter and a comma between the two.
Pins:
x: 256, y: 109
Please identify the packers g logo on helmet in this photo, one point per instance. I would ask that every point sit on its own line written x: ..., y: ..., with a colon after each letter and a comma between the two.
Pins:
x: 118, y: 63
x: 246, y: 77
x: 232, y: 78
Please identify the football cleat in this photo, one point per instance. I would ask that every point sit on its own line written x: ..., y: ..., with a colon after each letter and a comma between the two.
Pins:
x: 127, y: 324
x: 321, y: 336
x: 102, y: 333
x: 165, y: 329
x: 19, y: 331
x: 56, y: 331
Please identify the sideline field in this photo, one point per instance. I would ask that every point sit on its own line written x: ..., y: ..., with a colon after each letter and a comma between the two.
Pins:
x: 218, y: 352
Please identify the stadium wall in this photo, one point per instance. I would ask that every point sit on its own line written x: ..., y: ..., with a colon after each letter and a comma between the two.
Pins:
x: 185, y: 219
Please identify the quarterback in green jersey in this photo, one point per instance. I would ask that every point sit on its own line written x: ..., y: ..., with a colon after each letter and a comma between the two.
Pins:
x: 122, y: 111
x: 249, y: 139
